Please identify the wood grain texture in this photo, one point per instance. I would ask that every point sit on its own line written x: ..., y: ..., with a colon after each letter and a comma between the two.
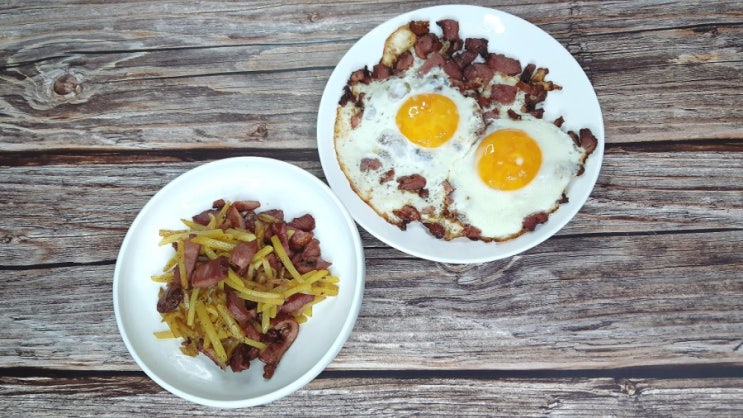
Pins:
x: 129, y: 395
x: 219, y: 88
x: 63, y: 213
x: 574, y: 302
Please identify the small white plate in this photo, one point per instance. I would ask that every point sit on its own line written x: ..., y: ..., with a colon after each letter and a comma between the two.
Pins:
x: 275, y: 184
x: 506, y: 34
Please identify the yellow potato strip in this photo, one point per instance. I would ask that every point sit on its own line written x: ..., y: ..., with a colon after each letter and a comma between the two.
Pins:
x: 279, y: 249
x: 208, y: 327
x: 215, y: 244
x: 164, y: 334
x: 240, y: 234
x: 182, y: 264
x: 192, y: 306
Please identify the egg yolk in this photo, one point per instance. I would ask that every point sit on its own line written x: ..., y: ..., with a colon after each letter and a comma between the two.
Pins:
x: 508, y: 159
x: 428, y: 120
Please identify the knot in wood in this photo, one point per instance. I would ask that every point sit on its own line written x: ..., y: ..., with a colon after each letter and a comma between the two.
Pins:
x: 66, y: 85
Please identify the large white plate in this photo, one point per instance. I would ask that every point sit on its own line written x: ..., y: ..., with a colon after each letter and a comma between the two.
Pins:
x: 507, y: 34
x: 275, y: 184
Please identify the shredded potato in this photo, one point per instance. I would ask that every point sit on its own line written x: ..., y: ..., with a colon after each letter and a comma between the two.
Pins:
x: 203, y: 318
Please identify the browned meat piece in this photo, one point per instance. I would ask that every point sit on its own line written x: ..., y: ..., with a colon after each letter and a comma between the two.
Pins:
x: 171, y: 297
x: 242, y: 254
x: 238, y: 309
x: 300, y: 239
x: 309, y: 259
x: 218, y: 204
x: 210, y: 272
x: 478, y: 74
x: 387, y: 176
x: 513, y: 115
x: 403, y: 62
x: 587, y: 140
x: 346, y: 97
x: 407, y: 214
x: 559, y: 121
x: 190, y: 255
x: 450, y: 29
x: 503, y: 93
x: 246, y: 205
x: 360, y: 76
x: 295, y: 303
x: 453, y: 70
x: 464, y: 58
x: 472, y: 232
x: 419, y: 27
x: 427, y: 44
x: 436, y: 229
x: 234, y: 219
x: 305, y: 222
x: 368, y: 164
x: 203, y: 217
x: 411, y: 182
x: 381, y: 72
x: 503, y: 64
x: 478, y: 45
x: 434, y: 60
x: 241, y: 357
x: 283, y: 332
x: 527, y: 73
x: 531, y: 221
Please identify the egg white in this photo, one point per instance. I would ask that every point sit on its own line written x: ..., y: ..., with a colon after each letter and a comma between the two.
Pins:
x: 377, y: 136
x: 500, y: 214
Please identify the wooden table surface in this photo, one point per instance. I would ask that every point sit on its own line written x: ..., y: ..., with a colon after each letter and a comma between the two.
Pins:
x: 635, y: 308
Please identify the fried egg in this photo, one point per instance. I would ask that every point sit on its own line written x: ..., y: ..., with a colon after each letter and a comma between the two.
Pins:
x: 519, y: 168
x: 412, y: 125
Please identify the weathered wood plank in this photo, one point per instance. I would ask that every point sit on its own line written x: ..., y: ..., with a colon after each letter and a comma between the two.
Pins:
x: 166, y: 87
x: 570, y: 303
x: 130, y: 395
x: 63, y: 213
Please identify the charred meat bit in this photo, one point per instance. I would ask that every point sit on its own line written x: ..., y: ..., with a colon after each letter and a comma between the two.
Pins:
x: 210, y: 272
x: 241, y: 357
x: 419, y: 27
x: 411, y: 182
x: 478, y: 73
x: 436, y: 229
x: 479, y: 45
x: 503, y: 64
x: 531, y: 221
x: 368, y: 164
x: 403, y: 62
x: 242, y: 254
x: 527, y: 73
x: 387, y: 176
x: 427, y: 44
x: 294, y: 303
x: 171, y: 297
x: 305, y: 222
x: 246, y: 205
x: 513, y: 115
x: 450, y: 29
x: 284, y: 331
x: 381, y: 72
x: 300, y: 239
x: 587, y: 140
x: 407, y: 214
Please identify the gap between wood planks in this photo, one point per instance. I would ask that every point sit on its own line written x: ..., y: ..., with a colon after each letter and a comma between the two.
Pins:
x: 696, y: 371
x: 74, y: 156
